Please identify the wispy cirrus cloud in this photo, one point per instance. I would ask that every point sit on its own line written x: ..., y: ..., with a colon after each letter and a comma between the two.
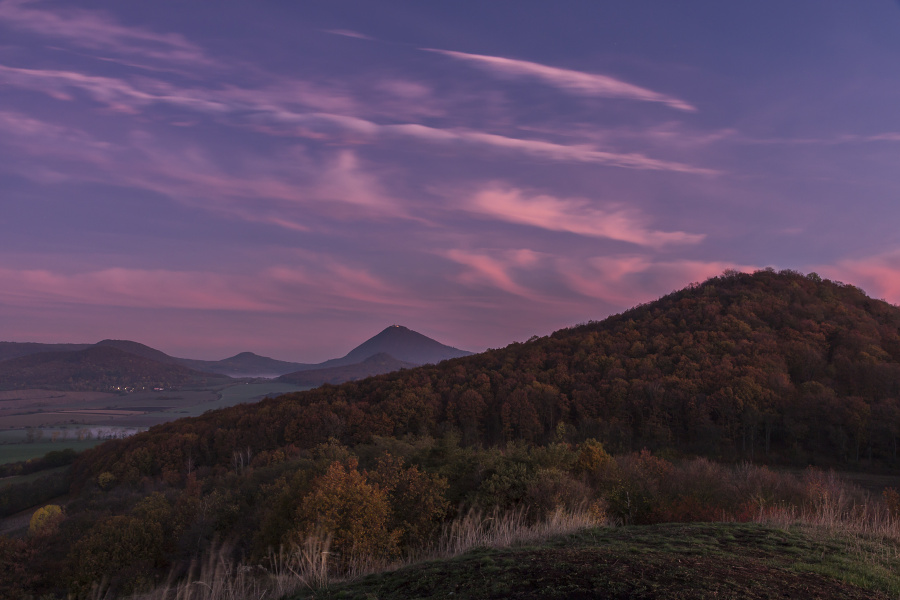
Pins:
x: 158, y: 288
x: 322, y: 282
x: 112, y: 92
x: 553, y: 279
x: 583, y: 153
x: 625, y: 280
x: 291, y: 192
x: 571, y: 215
x: 494, y: 269
x: 286, y: 190
x: 98, y: 31
x: 574, y: 82
x: 349, y: 33
x: 16, y: 124
x: 322, y: 123
x: 261, y: 111
x: 835, y: 140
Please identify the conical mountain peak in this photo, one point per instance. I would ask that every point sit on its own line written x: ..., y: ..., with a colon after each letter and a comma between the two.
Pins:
x: 403, y: 344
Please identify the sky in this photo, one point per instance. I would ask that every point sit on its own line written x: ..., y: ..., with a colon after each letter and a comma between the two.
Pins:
x: 290, y: 178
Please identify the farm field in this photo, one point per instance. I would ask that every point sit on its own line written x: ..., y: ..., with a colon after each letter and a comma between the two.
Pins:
x: 34, y: 422
x: 244, y: 392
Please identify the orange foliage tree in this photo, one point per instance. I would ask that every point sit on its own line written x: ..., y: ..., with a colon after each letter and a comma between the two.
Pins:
x: 354, y: 512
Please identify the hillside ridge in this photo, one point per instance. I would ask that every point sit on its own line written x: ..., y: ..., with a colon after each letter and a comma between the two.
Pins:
x: 722, y: 369
x: 404, y: 345
x: 667, y: 412
x: 101, y: 367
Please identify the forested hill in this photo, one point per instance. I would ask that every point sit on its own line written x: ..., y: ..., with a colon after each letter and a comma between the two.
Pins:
x: 771, y: 366
x: 775, y: 367
x: 103, y: 367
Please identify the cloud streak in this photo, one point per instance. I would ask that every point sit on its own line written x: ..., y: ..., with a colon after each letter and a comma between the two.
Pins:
x: 576, y: 216
x: 97, y: 31
x: 270, y: 110
x: 349, y: 33
x: 625, y: 280
x: 322, y: 283
x: 287, y: 191
x: 483, y: 269
x: 574, y: 82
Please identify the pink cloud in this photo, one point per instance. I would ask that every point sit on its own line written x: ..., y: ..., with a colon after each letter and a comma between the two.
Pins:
x: 575, y: 82
x: 528, y: 275
x: 132, y: 287
x: 24, y: 127
x: 878, y: 275
x: 114, y: 93
x: 484, y: 269
x: 847, y: 138
x: 631, y: 279
x: 284, y: 191
x: 583, y: 153
x: 349, y: 33
x: 322, y: 283
x: 573, y: 216
x: 562, y: 284
x: 885, y: 137
x: 561, y: 152
x: 96, y: 30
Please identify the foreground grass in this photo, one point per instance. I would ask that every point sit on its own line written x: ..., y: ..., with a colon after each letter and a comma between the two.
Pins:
x: 676, y: 561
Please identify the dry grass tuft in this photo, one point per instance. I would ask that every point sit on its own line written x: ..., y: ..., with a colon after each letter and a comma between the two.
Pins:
x: 496, y: 530
x: 310, y: 565
x: 220, y: 578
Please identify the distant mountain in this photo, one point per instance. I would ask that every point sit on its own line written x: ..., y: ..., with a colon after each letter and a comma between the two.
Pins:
x: 405, y: 347
x: 395, y: 348
x: 140, y: 350
x: 246, y: 364
x: 102, y: 367
x: 402, y: 344
x: 10, y: 350
x: 374, y: 365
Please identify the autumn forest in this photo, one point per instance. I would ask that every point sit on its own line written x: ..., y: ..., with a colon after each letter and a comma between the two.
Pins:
x: 690, y: 408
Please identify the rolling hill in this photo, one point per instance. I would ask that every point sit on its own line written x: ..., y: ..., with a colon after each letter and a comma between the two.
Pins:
x: 141, y: 350
x: 10, y: 350
x: 245, y: 364
x: 103, y: 367
x: 406, y: 347
x: 775, y: 366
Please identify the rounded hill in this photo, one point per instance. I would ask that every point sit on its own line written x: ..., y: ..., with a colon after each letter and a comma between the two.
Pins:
x: 771, y: 366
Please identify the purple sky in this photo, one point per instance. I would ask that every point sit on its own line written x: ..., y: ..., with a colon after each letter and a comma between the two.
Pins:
x: 289, y: 178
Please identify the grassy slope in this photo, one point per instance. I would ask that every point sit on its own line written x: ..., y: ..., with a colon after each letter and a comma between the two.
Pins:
x: 667, y: 562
